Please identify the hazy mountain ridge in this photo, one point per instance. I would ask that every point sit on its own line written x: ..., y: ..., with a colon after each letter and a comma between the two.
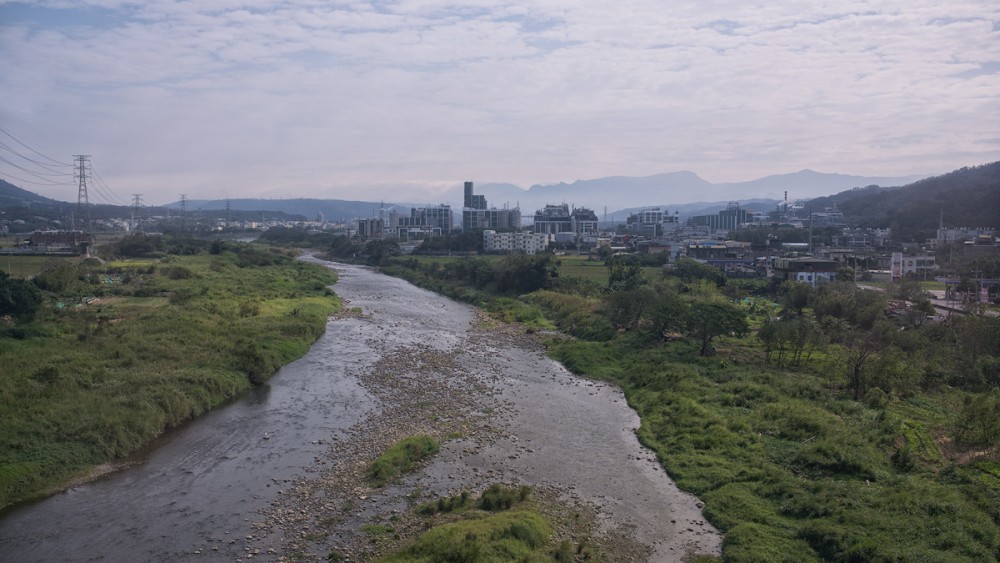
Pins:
x: 675, y: 189
x: 969, y: 197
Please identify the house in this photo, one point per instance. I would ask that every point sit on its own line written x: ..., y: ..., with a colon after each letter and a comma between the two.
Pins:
x: 806, y: 269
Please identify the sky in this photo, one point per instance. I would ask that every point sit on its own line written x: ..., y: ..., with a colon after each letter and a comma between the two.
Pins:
x: 403, y: 100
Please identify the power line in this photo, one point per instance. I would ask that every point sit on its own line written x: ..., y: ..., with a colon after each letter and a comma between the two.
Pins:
x: 23, y: 181
x: 44, y: 165
x: 18, y: 141
x: 39, y: 175
x: 100, y: 180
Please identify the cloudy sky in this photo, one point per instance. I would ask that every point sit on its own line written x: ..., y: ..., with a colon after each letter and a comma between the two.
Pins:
x: 401, y: 100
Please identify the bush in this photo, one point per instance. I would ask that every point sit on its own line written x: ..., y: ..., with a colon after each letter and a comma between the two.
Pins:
x: 497, y: 497
x: 18, y: 298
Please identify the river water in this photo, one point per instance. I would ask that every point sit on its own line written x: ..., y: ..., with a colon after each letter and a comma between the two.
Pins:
x: 199, y: 492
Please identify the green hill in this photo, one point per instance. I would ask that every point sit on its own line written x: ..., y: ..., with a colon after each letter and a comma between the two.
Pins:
x: 968, y: 197
x: 13, y: 196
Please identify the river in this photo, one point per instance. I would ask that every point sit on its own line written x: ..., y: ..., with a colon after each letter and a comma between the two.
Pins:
x: 254, y: 478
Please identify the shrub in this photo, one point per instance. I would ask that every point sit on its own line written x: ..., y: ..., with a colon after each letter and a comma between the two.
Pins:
x: 497, y: 497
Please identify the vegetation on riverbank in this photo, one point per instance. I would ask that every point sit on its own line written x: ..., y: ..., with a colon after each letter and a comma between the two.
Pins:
x: 120, y: 351
x: 401, y: 458
x: 496, y: 526
x: 821, y: 429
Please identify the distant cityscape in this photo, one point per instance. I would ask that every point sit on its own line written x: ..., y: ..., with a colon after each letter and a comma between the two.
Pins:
x: 814, y: 247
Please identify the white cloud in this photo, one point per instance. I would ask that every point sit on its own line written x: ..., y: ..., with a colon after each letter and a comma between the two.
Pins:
x: 349, y: 98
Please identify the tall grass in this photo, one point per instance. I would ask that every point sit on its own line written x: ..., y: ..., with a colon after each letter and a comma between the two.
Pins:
x: 90, y: 383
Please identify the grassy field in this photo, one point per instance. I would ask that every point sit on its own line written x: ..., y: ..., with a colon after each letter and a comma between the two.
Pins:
x: 29, y: 266
x: 132, y: 349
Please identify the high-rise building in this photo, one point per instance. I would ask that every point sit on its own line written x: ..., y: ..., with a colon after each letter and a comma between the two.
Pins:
x: 438, y: 217
x: 473, y: 201
x: 475, y: 214
x: 554, y: 219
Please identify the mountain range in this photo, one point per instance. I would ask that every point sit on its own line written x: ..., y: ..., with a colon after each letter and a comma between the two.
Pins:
x: 678, y: 191
x: 682, y: 192
x: 674, y: 189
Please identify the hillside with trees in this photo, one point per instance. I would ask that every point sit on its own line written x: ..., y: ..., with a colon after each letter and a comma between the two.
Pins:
x: 968, y: 197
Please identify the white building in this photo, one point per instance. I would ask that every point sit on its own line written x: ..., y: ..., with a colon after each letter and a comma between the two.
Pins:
x: 527, y: 243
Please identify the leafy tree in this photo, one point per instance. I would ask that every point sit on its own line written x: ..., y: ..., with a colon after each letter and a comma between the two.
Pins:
x: 18, y: 298
x: 666, y: 313
x: 860, y: 350
x: 796, y: 296
x: 624, y: 273
x: 380, y: 251
x: 345, y: 247
x: 139, y: 245
x: 627, y: 307
x: 796, y: 336
x: 978, y: 422
x: 707, y: 320
x: 57, y: 276
x: 689, y: 269
x: 518, y: 273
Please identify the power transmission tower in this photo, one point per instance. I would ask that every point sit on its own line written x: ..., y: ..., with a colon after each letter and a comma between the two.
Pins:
x: 228, y: 217
x: 82, y: 201
x: 136, y: 203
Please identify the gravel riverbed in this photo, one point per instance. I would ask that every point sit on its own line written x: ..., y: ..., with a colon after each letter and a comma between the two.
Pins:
x: 504, y: 413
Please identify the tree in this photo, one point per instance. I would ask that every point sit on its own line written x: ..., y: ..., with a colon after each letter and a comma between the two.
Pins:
x: 379, y: 251
x: 978, y: 422
x: 689, y: 269
x: 707, y: 320
x: 666, y: 313
x: 860, y: 349
x: 626, y: 308
x: 139, y: 245
x: 18, y: 298
x: 797, y: 336
x: 624, y: 273
x: 797, y: 296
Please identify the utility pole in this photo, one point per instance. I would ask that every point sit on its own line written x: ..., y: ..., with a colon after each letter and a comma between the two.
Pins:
x: 82, y: 201
x: 136, y: 202
x: 810, y: 233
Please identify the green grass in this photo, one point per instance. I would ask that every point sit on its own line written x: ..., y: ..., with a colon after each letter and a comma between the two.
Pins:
x: 793, y: 472
x: 401, y: 458
x: 495, y: 527
x: 29, y: 266
x: 504, y: 537
x: 87, y: 384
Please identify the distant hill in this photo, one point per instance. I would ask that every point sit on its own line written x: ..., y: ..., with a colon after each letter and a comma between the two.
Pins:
x: 672, y: 190
x: 13, y: 196
x: 968, y: 197
x: 332, y: 209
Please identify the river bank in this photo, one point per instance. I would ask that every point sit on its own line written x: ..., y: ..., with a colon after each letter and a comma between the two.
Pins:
x: 277, y: 475
x: 505, y: 414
